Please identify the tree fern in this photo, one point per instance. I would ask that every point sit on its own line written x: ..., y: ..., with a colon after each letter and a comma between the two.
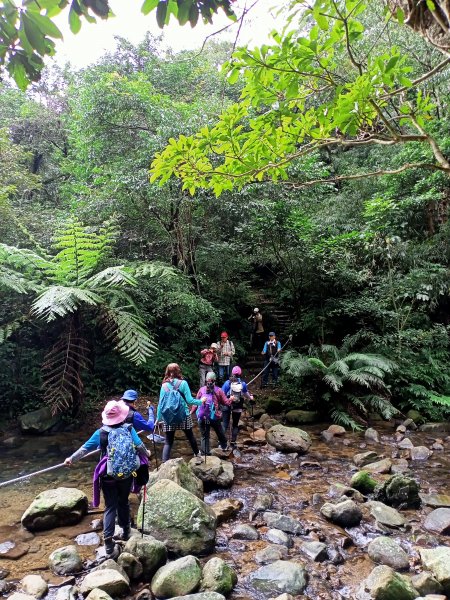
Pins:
x: 8, y: 329
x: 58, y: 301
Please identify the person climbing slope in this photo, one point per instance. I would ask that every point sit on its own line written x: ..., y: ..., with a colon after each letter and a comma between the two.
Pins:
x: 271, y: 353
x: 225, y: 353
x: 120, y: 448
x: 236, y: 390
x: 207, y: 360
x: 209, y: 414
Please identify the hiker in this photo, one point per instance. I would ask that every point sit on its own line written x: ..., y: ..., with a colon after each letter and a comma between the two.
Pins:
x: 173, y: 410
x: 236, y: 390
x: 271, y: 352
x: 120, y: 448
x: 134, y: 417
x: 225, y: 353
x: 256, y: 320
x: 207, y: 360
x: 209, y: 414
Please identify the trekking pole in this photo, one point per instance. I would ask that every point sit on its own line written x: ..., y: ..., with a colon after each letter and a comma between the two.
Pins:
x: 154, y: 445
x: 143, y: 509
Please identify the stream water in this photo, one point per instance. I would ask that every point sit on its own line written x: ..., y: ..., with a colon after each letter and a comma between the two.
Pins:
x: 292, y: 480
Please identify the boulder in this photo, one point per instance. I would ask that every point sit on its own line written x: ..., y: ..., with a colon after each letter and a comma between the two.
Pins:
x: 438, y: 521
x: 365, y: 458
x: 399, y: 490
x: 288, y: 439
x: 316, y: 551
x: 435, y: 427
x: 108, y: 580
x: 214, y: 472
x: 405, y: 444
x: 283, y: 522
x: 420, y: 453
x: 384, y: 583
x: 280, y: 576
x: 34, y: 585
x: 217, y: 576
x: 226, y: 508
x: 98, y: 594
x: 380, y: 466
x: 400, y: 466
x: 184, y: 522
x: 150, y: 552
x: 437, y: 560
x: 21, y: 596
x: 201, y: 596
x: 112, y: 564
x: 415, y: 416
x: 177, y: 578
x: 52, y: 508
x: 276, y: 536
x: 338, y: 490
x: 436, y: 500
x: 88, y: 539
x: 244, y: 532
x: 363, y: 482
x: 131, y: 565
x: 177, y: 470
x: 263, y: 502
x: 386, y: 551
x: 300, y: 417
x: 345, y: 514
x: 271, y: 553
x: 425, y: 584
x: 336, y: 430
x: 70, y: 592
x: 372, y: 435
x: 386, y: 515
x: 39, y: 421
x: 65, y: 560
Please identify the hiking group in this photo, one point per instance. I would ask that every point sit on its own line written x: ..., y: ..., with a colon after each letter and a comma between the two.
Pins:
x: 123, y: 465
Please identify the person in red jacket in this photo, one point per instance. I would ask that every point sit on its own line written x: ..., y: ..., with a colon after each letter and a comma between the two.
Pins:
x: 209, y: 414
x: 207, y: 361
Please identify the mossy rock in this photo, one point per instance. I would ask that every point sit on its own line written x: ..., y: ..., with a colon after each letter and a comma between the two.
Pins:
x: 363, y: 482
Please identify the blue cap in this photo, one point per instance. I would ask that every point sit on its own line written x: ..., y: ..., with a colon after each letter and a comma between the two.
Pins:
x: 130, y: 396
x: 271, y: 333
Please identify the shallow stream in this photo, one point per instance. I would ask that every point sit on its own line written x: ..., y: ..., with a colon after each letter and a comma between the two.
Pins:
x: 292, y: 481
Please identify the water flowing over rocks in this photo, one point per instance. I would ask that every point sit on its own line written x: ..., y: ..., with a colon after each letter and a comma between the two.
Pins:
x: 178, y: 518
x: 177, y: 578
x: 179, y: 472
x: 280, y: 576
x: 214, y: 472
x: 288, y: 439
x: 52, y: 508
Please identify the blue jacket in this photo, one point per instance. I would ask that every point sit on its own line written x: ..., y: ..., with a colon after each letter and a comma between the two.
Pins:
x: 266, y: 348
x: 140, y: 424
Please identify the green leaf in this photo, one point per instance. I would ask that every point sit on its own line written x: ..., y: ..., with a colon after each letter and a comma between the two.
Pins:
x: 183, y: 11
x: 148, y: 6
x: 400, y: 16
x: 74, y: 21
x: 431, y: 5
x: 33, y: 33
x: 45, y: 25
x: 193, y: 15
x: 161, y: 13
x: 391, y: 63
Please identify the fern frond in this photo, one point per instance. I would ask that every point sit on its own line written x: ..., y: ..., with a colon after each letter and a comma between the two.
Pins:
x: 154, y: 269
x: 340, y: 367
x: 58, y: 301
x: 16, y: 282
x: 22, y: 259
x: 316, y: 362
x: 8, y: 329
x: 330, y: 350
x: 112, y: 276
x: 62, y: 370
x: 127, y: 332
x: 341, y: 417
x: 361, y: 377
x: 381, y: 405
x: 373, y: 360
x: 334, y: 381
x: 441, y: 400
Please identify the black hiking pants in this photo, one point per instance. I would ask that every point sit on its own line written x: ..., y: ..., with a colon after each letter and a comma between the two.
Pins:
x: 116, y: 493
x: 205, y: 430
x: 170, y: 438
x: 235, y: 418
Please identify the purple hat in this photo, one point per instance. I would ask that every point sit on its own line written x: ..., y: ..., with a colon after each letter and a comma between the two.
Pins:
x: 114, y: 413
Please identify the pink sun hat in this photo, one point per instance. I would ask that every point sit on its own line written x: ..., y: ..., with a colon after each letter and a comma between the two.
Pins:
x: 114, y: 413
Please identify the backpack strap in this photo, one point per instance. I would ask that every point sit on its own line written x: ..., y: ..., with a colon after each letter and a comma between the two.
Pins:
x: 130, y: 415
x: 177, y: 386
x: 103, y: 442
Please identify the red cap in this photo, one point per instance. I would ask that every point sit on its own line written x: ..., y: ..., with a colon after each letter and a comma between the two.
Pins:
x: 224, y: 334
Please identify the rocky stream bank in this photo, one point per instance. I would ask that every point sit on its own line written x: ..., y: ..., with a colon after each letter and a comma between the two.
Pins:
x: 303, y: 512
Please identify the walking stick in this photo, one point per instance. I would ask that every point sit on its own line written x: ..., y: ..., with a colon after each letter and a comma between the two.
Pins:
x: 154, y: 446
x: 143, y: 509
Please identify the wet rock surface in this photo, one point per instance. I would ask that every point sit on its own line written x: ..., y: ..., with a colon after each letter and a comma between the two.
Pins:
x: 335, y: 560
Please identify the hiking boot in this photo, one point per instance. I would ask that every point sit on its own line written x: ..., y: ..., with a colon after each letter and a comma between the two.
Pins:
x: 198, y: 459
x: 112, y: 550
x: 124, y: 535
